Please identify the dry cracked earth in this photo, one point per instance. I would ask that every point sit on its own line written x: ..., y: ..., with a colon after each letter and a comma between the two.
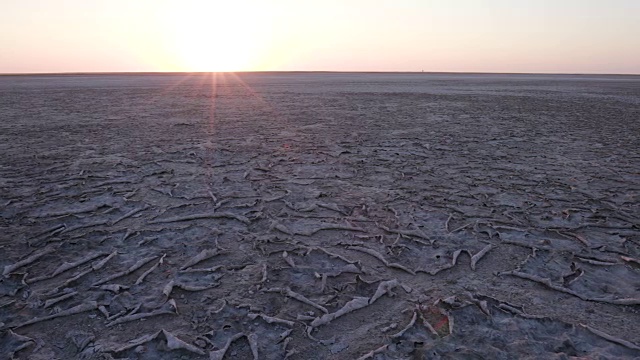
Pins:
x: 319, y: 216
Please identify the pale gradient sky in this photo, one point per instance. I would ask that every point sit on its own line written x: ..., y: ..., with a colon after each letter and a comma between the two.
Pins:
x: 568, y: 36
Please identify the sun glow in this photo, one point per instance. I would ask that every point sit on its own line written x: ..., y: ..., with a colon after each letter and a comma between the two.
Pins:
x: 216, y: 36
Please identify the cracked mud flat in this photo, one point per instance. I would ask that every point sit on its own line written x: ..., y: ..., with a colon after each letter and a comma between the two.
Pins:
x: 319, y: 216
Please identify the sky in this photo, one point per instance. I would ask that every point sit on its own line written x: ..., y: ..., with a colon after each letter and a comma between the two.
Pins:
x: 540, y: 36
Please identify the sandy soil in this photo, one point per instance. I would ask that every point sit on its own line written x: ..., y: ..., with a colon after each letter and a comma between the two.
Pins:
x: 319, y: 216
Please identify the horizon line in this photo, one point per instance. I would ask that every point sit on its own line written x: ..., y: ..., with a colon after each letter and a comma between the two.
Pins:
x: 72, y: 73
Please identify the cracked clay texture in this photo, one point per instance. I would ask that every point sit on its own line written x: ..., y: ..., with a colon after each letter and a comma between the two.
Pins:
x: 319, y: 216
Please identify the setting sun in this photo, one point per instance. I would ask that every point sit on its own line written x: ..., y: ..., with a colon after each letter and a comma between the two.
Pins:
x: 332, y: 35
x: 215, y: 37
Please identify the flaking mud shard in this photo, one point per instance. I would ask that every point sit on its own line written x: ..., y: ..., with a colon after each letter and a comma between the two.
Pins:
x: 311, y: 216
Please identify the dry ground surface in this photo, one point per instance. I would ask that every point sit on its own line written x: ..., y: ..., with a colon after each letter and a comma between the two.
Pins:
x: 319, y: 216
